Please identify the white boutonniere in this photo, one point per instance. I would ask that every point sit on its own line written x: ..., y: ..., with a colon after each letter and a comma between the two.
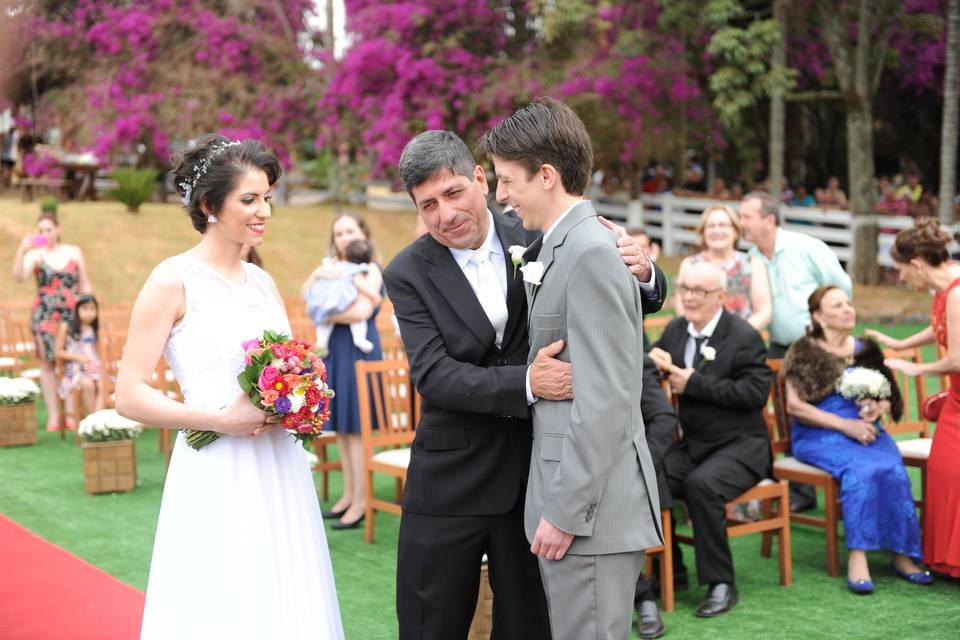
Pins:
x: 532, y: 273
x: 516, y: 256
x: 709, y: 353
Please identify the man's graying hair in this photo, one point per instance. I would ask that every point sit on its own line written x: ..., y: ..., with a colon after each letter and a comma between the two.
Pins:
x: 768, y: 206
x: 433, y: 152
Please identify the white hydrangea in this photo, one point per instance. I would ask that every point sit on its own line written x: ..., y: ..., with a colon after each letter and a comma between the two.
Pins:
x: 18, y: 391
x: 860, y: 383
x: 107, y: 424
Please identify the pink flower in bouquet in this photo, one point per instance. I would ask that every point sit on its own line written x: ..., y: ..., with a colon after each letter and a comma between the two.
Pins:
x: 250, y: 344
x: 268, y: 397
x: 292, y: 381
x: 268, y: 378
x: 249, y: 354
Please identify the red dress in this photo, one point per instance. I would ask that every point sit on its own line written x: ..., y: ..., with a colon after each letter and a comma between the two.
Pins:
x: 941, y: 534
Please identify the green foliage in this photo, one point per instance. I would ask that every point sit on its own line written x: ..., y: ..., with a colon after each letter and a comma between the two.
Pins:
x: 744, y: 74
x: 134, y: 186
x: 49, y: 205
x: 559, y: 18
x: 318, y: 170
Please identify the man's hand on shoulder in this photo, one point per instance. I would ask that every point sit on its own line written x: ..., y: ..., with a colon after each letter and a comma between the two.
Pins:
x: 631, y: 252
x: 551, y: 379
x: 549, y: 542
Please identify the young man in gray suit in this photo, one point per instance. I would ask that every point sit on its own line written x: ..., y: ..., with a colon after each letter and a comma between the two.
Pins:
x: 591, y: 505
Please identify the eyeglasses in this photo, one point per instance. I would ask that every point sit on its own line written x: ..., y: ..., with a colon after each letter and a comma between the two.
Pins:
x: 695, y: 292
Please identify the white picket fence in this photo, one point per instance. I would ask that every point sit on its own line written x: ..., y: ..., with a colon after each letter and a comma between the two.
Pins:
x: 672, y: 221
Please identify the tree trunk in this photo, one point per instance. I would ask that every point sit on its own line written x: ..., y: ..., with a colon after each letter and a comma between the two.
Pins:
x: 777, y: 111
x: 863, y: 268
x: 948, y: 132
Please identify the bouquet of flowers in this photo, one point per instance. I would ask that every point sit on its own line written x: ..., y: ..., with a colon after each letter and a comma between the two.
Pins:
x: 107, y: 425
x: 285, y: 377
x: 18, y: 391
x: 860, y: 383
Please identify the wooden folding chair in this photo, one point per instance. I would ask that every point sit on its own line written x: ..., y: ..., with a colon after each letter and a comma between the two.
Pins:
x: 386, y: 429
x: 774, y: 497
x: 653, y: 326
x: 788, y: 468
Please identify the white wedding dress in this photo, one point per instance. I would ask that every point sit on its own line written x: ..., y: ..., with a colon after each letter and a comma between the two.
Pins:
x: 240, y: 549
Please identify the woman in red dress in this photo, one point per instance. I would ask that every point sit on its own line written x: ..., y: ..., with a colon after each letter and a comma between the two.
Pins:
x: 920, y: 255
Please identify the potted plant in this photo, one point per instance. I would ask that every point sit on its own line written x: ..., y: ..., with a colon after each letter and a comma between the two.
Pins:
x: 109, y: 457
x: 18, y: 411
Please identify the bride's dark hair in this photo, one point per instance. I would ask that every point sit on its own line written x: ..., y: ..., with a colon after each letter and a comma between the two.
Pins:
x: 204, y: 174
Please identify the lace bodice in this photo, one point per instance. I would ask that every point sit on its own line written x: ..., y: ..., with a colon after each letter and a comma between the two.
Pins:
x: 203, y: 349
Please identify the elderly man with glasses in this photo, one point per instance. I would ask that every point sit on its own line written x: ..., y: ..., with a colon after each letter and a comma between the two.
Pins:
x: 715, y: 363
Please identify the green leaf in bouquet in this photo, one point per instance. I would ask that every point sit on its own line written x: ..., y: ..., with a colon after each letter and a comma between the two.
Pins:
x: 244, y: 382
x: 263, y: 359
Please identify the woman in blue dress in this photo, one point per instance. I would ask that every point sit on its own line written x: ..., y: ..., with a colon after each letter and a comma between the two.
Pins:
x: 341, y: 373
x: 844, y: 438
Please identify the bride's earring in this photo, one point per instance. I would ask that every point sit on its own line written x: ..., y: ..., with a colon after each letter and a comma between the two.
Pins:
x: 211, y: 219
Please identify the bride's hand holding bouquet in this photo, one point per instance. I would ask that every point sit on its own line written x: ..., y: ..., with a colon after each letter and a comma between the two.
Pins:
x: 284, y: 382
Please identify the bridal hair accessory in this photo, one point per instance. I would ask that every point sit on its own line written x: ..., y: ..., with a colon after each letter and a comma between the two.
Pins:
x: 200, y: 169
x: 211, y: 219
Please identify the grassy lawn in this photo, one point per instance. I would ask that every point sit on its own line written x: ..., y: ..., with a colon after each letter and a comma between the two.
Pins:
x: 121, y: 248
x: 42, y: 488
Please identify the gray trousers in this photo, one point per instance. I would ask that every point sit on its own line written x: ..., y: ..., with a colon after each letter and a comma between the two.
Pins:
x: 591, y: 597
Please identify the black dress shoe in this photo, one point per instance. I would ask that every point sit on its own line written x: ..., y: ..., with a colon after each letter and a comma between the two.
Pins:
x: 649, y: 624
x: 720, y: 598
x: 340, y: 525
x: 331, y: 515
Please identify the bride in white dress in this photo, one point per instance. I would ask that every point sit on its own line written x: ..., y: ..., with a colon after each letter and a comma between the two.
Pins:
x: 240, y: 549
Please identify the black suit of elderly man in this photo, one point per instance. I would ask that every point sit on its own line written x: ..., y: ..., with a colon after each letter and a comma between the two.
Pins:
x: 716, y: 366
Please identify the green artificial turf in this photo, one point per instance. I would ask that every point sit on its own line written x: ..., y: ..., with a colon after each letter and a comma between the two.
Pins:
x: 41, y: 487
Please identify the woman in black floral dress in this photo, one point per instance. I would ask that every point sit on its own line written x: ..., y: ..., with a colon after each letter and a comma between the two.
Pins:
x: 61, y: 275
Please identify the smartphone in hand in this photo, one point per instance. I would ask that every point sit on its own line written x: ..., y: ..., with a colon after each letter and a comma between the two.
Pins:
x: 39, y: 240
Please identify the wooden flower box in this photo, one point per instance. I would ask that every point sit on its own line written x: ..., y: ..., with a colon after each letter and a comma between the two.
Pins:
x: 18, y: 424
x: 109, y: 467
x: 482, y: 623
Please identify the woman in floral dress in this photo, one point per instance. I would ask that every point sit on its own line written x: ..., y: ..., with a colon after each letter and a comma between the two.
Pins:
x: 61, y: 275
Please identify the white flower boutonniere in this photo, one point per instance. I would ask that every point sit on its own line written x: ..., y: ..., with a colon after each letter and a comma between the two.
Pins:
x: 532, y: 273
x: 516, y: 256
x: 709, y: 353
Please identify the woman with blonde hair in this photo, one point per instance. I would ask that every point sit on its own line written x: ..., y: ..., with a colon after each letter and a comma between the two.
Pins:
x: 748, y: 287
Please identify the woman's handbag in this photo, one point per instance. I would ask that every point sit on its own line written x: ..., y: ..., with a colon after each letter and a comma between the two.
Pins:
x: 933, y: 405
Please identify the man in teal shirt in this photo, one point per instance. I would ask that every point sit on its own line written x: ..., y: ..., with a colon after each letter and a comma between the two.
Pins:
x: 796, y: 265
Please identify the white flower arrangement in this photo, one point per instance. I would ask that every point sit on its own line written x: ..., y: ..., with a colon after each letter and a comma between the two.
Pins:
x: 108, y: 425
x: 18, y: 391
x: 516, y: 256
x: 860, y: 383
x: 533, y: 273
x: 709, y: 353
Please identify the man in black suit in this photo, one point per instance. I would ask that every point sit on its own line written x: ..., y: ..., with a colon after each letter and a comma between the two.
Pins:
x: 716, y: 365
x: 462, y: 312
x: 660, y: 421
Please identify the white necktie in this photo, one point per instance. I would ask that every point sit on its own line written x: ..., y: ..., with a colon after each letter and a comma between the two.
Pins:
x: 486, y: 285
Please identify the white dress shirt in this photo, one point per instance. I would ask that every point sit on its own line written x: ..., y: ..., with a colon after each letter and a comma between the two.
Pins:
x: 689, y: 353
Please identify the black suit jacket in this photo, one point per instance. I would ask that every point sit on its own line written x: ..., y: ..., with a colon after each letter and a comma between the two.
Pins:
x: 660, y: 422
x: 724, y: 399
x: 471, y: 452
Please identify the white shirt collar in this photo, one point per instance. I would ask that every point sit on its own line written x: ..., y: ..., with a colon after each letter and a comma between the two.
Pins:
x: 491, y: 243
x: 556, y: 222
x: 707, y: 330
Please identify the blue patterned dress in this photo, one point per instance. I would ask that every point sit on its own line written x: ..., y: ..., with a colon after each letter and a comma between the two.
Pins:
x: 875, y: 492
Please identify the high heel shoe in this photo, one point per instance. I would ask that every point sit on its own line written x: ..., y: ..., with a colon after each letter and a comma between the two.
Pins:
x: 331, y: 515
x: 340, y: 525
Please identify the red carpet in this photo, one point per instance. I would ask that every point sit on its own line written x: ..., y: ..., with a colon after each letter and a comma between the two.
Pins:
x: 47, y: 593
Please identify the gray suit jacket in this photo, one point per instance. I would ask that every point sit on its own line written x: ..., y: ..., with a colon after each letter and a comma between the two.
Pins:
x: 590, y: 471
